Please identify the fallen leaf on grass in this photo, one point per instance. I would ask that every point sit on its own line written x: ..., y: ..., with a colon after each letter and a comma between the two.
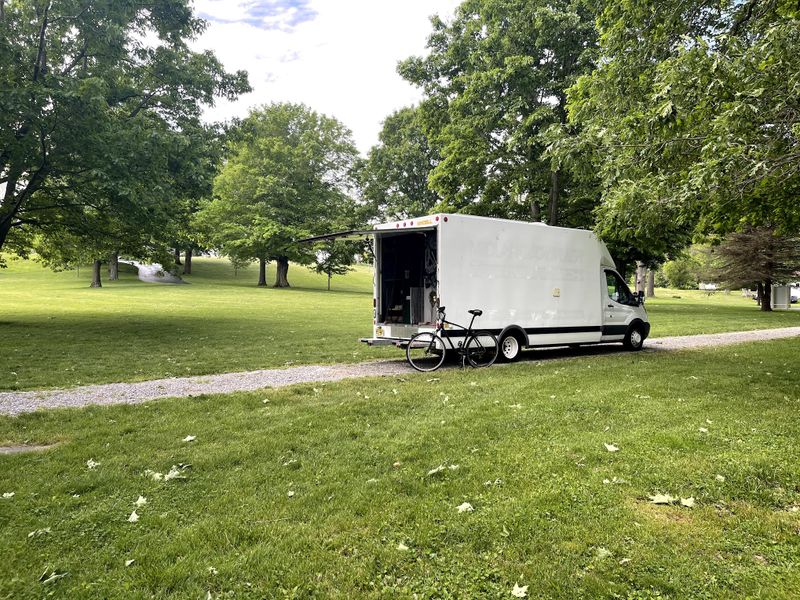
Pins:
x: 602, y: 553
x: 129, y: 562
x: 290, y: 494
x: 519, y: 591
x: 39, y: 532
x: 54, y: 575
x: 8, y: 495
x: 611, y: 447
x: 91, y: 464
x: 688, y: 502
x: 133, y: 518
x: 623, y: 561
x: 702, y: 430
x: 140, y: 501
x: 436, y: 470
x: 190, y: 438
x: 402, y: 547
x: 465, y: 507
x: 153, y: 475
x: 175, y: 472
x: 720, y: 478
x: 662, y: 499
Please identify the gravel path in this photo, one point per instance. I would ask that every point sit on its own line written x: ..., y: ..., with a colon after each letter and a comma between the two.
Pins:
x: 13, y: 403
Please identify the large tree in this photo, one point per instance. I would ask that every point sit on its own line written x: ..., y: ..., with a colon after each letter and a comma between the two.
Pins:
x: 288, y: 176
x: 95, y: 95
x: 759, y: 257
x: 495, y: 79
x: 394, y: 178
x: 692, y: 119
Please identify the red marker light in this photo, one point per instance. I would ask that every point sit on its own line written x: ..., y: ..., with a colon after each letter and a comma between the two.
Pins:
x: 397, y: 225
x: 445, y: 219
x: 437, y: 219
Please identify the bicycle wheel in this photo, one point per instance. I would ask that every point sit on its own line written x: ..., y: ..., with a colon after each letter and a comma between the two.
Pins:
x: 481, y: 349
x: 425, y: 351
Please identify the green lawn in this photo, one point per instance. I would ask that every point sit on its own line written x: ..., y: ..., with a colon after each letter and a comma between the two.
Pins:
x: 56, y: 331
x: 366, y: 519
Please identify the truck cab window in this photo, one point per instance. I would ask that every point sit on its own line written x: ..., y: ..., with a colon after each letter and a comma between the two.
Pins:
x: 617, y: 289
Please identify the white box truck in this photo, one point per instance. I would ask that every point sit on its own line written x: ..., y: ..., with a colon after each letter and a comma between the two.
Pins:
x: 537, y: 285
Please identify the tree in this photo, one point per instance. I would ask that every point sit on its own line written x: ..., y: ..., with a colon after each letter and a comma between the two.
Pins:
x: 691, y: 119
x: 335, y: 259
x: 288, y: 176
x: 95, y: 95
x: 394, y: 178
x: 757, y: 256
x: 495, y: 79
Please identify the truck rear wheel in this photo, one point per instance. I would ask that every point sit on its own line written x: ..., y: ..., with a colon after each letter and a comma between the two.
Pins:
x: 510, y: 347
x: 634, y: 337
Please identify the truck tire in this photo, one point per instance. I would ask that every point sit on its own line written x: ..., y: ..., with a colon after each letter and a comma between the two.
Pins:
x: 634, y: 337
x: 510, y: 347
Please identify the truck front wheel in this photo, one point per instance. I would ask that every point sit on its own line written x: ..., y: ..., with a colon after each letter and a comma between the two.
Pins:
x: 634, y: 337
x: 510, y: 347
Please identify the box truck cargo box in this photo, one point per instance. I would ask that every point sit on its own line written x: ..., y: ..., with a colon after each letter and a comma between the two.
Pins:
x: 537, y: 285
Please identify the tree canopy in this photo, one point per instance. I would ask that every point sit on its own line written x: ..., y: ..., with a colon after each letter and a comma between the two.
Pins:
x: 99, y: 113
x: 288, y: 176
x: 691, y: 119
x: 394, y: 178
x: 495, y: 79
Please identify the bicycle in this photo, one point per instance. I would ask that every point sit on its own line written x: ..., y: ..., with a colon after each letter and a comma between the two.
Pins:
x: 426, y: 351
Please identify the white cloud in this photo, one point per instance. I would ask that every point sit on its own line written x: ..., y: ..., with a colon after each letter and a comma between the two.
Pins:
x: 339, y: 58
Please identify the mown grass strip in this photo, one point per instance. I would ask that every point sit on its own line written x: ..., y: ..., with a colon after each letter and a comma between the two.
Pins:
x: 316, y: 490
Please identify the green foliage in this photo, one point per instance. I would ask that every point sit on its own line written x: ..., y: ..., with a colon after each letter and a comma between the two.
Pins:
x: 690, y: 119
x: 288, y: 176
x: 495, y: 80
x: 394, y: 178
x: 757, y: 256
x: 679, y: 274
x: 99, y: 116
x: 553, y: 510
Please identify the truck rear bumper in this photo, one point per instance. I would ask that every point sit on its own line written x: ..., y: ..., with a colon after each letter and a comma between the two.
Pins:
x: 383, y: 341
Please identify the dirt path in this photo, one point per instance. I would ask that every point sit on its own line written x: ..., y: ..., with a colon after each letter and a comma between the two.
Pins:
x: 13, y: 403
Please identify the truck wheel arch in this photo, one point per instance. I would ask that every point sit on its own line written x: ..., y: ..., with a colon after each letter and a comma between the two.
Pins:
x: 516, y: 332
x: 630, y: 341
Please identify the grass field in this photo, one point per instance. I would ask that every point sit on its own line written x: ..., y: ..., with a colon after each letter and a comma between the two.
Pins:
x: 351, y: 489
x: 56, y: 331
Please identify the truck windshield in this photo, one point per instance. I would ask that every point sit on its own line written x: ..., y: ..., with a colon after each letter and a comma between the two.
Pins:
x: 617, y: 290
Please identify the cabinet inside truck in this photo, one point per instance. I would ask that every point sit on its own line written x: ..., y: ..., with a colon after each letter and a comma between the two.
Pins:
x: 407, y: 277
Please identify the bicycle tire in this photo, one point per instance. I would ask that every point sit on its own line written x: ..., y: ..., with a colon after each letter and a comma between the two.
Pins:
x: 425, y: 351
x: 480, y: 354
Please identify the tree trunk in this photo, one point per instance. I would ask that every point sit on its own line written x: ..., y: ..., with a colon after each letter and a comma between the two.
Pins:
x: 766, y: 296
x: 178, y: 256
x: 96, y: 274
x: 555, y: 192
x: 329, y: 280
x: 187, y: 262
x: 113, y: 266
x: 641, y: 275
x: 281, y: 272
x: 651, y: 283
x: 536, y: 211
x: 262, y: 272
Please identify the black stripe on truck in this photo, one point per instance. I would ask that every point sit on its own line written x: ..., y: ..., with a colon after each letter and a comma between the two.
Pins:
x: 537, y: 330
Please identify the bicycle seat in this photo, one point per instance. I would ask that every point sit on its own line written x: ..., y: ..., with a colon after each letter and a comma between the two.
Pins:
x: 475, y: 311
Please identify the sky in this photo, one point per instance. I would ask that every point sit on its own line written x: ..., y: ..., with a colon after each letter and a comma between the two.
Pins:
x: 337, y: 56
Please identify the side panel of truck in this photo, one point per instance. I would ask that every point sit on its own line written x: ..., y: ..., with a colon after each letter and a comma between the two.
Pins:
x: 542, y: 279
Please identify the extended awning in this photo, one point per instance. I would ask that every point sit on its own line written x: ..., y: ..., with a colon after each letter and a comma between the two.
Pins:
x: 346, y: 236
x: 361, y: 234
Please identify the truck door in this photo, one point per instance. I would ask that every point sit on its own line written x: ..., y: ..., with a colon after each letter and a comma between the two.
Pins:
x: 618, y: 306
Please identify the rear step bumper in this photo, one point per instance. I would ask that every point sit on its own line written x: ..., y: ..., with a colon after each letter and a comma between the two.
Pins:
x: 399, y: 342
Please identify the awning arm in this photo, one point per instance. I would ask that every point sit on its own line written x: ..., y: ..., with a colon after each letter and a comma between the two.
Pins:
x: 351, y: 235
